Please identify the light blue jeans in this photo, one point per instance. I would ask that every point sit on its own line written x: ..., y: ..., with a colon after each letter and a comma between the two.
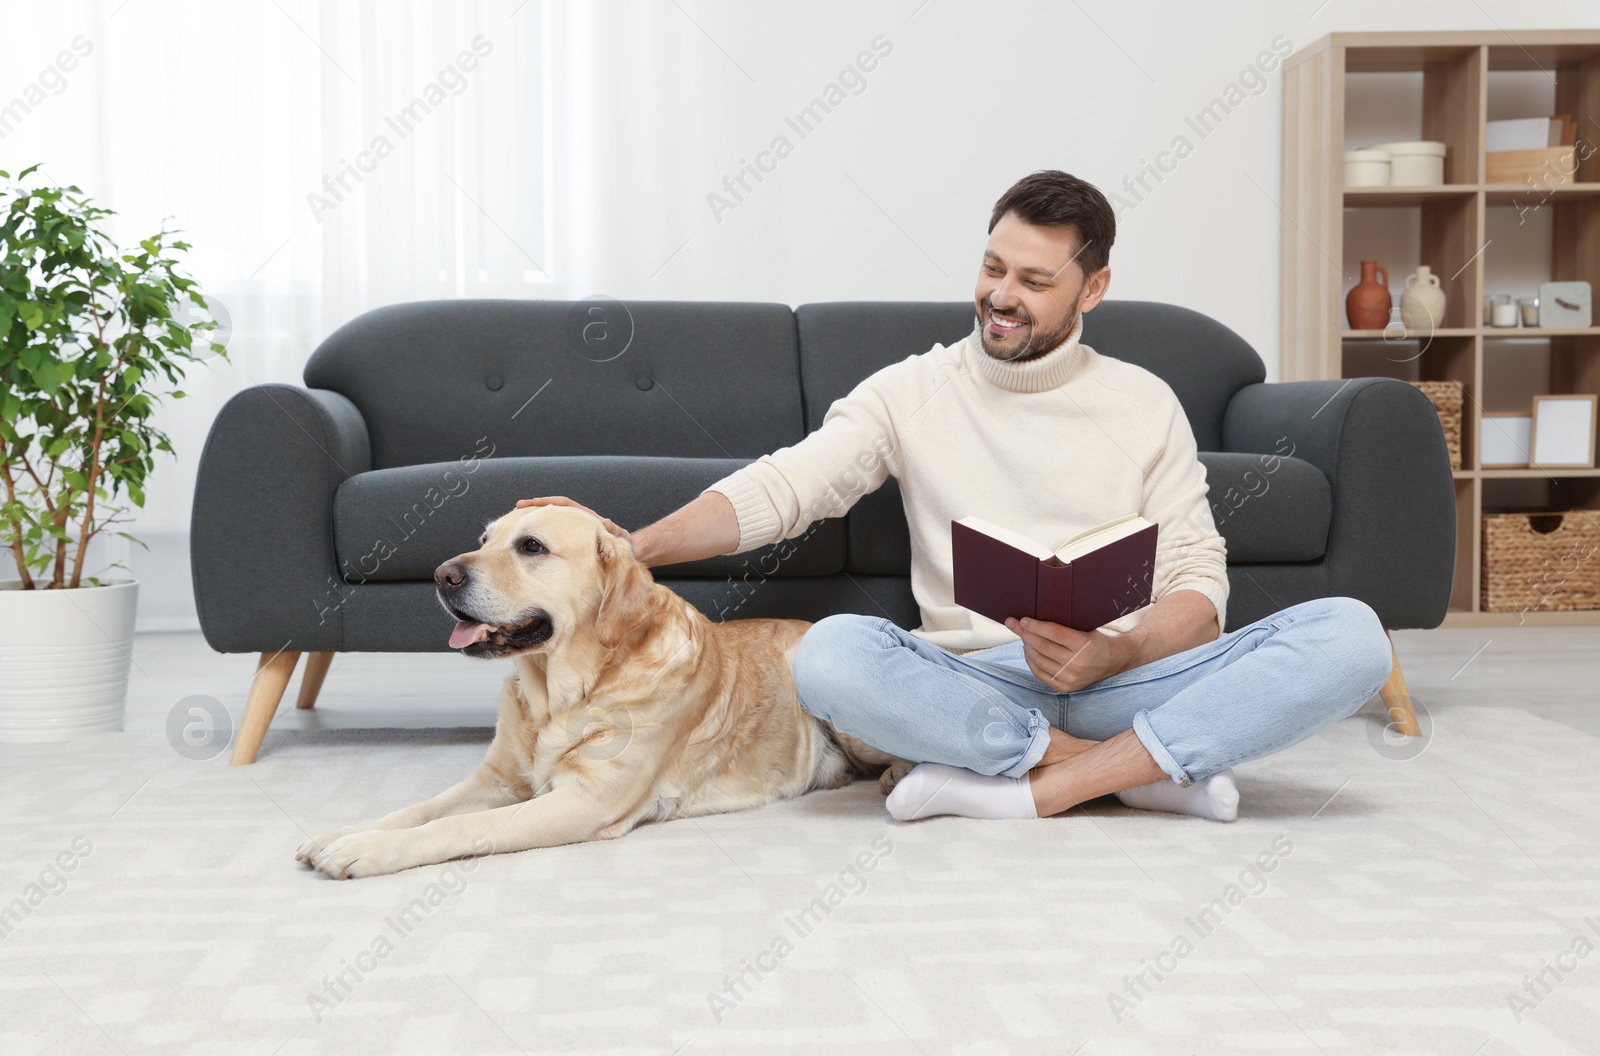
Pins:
x: 1247, y: 694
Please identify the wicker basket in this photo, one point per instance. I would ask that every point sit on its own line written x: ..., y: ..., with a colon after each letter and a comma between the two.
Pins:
x: 1446, y: 399
x: 1526, y: 569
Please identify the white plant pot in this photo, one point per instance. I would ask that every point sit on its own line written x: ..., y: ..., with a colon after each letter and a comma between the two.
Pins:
x: 64, y: 657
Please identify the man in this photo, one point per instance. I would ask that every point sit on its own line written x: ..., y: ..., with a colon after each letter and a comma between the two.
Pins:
x: 1024, y: 425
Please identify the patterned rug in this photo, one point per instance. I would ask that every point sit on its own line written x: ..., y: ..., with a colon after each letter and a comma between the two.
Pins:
x: 1442, y: 896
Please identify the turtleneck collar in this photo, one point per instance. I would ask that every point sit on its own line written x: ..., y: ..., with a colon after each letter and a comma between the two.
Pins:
x: 1039, y: 374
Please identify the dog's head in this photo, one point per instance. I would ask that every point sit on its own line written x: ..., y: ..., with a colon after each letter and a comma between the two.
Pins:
x: 541, y: 575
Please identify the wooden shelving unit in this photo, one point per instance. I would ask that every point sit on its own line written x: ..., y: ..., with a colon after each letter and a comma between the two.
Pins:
x: 1451, y: 223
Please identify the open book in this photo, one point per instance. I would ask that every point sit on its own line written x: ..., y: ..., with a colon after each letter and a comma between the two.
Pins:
x: 1086, y: 582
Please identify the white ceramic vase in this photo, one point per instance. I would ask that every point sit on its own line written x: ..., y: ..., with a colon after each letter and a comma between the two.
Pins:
x: 64, y: 657
x: 1422, y: 303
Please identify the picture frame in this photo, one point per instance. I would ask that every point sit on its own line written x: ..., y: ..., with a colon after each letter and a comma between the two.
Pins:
x: 1562, y: 435
x: 1504, y: 440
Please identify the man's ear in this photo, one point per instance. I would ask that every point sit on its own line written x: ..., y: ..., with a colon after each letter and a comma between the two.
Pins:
x: 1094, y: 289
x: 625, y: 590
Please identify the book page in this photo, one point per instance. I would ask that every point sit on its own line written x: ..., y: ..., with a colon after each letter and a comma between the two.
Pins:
x: 1006, y: 535
x: 1095, y: 538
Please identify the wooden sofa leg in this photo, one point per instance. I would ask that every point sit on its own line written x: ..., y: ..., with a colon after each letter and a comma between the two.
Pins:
x: 266, y: 689
x: 311, y: 680
x: 1398, y: 699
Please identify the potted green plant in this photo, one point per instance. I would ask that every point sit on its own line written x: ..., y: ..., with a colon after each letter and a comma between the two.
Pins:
x: 89, y: 336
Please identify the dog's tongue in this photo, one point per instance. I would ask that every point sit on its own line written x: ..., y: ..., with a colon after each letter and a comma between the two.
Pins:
x: 466, y: 633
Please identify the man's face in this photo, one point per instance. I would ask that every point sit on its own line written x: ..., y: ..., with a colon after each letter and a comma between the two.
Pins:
x: 1031, y: 288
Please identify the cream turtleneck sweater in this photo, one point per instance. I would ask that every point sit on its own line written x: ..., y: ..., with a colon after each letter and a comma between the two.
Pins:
x: 1048, y: 447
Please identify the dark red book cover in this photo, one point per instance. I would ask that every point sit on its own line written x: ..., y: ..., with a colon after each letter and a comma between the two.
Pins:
x: 995, y: 579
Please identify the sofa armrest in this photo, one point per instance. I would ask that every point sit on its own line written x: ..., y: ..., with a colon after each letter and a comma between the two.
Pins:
x: 1392, y: 537
x: 261, y: 543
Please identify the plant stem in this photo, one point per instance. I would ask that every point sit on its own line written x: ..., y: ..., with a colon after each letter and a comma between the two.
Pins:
x: 85, y: 533
x: 86, y: 529
x: 16, y: 527
x: 58, y: 515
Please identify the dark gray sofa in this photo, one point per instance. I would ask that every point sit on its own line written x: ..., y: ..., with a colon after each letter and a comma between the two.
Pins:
x: 321, y: 512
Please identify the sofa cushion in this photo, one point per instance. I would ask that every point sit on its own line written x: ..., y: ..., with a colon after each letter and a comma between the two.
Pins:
x: 400, y: 524
x: 1203, y: 361
x: 591, y: 377
x: 877, y: 539
x: 1268, y: 508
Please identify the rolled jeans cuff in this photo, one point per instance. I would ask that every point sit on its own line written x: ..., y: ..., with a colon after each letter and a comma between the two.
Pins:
x: 1158, y: 751
x: 1038, y: 744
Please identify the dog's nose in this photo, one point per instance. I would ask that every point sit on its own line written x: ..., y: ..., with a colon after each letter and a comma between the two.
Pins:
x: 449, y: 576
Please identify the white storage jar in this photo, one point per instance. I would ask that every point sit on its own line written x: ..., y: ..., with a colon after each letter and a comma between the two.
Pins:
x: 1366, y: 168
x: 1415, y: 164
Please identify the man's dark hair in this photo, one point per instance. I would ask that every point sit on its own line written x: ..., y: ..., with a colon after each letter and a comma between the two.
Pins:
x: 1052, y: 198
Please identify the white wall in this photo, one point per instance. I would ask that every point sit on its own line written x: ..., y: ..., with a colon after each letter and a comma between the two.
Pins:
x: 653, y: 104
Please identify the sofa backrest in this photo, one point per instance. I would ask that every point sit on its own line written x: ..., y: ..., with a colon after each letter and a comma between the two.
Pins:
x: 843, y: 342
x: 692, y: 379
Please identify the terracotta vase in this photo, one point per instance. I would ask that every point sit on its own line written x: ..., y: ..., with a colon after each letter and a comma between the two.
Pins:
x: 1422, y: 303
x: 1368, y: 302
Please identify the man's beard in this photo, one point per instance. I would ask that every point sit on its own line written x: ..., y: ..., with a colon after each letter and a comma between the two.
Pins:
x: 1033, y: 343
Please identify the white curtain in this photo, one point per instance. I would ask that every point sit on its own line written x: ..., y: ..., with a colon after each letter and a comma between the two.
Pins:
x: 322, y: 157
x: 432, y: 130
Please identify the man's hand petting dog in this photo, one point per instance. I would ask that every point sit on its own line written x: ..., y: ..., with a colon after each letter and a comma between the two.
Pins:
x: 1066, y: 659
x: 561, y: 500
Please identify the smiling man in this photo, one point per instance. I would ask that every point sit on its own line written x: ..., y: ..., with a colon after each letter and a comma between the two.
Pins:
x: 1024, y: 425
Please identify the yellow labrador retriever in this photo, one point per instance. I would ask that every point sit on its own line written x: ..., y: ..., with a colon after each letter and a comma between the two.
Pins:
x: 626, y: 706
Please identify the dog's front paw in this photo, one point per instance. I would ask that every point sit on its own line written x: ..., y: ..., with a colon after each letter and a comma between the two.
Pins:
x: 892, y: 774
x: 371, y: 852
x: 309, y: 850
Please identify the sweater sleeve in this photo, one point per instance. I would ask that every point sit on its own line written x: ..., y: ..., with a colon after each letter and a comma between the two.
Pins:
x: 1190, y: 554
x: 853, y: 451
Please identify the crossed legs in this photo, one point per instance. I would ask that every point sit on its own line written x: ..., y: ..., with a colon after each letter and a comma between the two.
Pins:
x: 1186, y: 718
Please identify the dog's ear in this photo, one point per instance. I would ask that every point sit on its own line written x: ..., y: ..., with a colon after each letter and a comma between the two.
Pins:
x: 625, y: 589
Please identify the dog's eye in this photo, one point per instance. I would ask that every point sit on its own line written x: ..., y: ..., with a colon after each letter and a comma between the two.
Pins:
x: 532, y: 546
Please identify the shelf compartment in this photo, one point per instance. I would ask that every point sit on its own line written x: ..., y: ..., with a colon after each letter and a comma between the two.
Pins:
x: 1440, y: 358
x: 1442, y: 233
x: 1519, y: 84
x: 1513, y: 373
x: 1403, y: 94
x: 1525, y: 248
x: 1551, y: 567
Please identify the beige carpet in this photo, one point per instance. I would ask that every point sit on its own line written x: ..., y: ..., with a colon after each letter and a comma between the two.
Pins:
x: 1407, y: 900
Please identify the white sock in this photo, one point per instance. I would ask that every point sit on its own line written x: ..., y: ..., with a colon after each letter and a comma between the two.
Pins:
x: 1216, y: 797
x: 934, y: 788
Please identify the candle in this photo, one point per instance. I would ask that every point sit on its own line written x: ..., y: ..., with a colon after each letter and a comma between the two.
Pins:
x: 1505, y: 314
x: 1530, y: 311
